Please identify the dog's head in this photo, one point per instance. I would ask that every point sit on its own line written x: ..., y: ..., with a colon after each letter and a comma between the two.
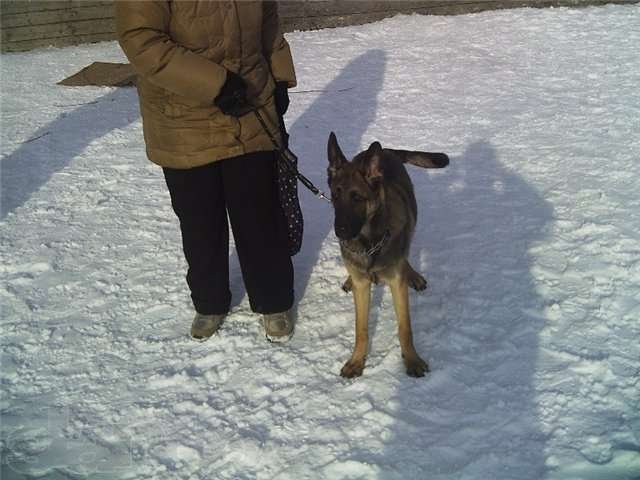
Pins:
x: 356, y: 187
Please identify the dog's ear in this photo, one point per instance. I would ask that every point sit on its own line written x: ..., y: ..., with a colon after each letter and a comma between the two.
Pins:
x: 375, y: 164
x: 336, y: 157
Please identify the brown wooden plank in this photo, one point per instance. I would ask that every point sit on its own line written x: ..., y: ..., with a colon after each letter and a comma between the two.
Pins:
x: 58, y: 42
x: 26, y: 6
x: 346, y: 7
x: 9, y: 7
x: 314, y: 15
x: 54, y: 30
x: 57, y: 16
x: 102, y: 74
x: 67, y: 22
x: 331, y: 21
x: 318, y: 13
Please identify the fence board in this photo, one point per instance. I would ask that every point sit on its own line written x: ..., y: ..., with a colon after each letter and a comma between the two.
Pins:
x: 67, y: 15
x: 10, y: 7
x: 27, y: 24
x: 55, y: 30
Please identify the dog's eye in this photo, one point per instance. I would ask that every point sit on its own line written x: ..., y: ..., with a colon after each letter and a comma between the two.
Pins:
x: 355, y: 197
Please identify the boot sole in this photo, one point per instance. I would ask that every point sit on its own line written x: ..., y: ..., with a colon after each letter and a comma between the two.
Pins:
x: 279, y: 338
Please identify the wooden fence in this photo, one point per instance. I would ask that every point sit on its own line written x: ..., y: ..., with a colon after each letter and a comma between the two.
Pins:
x: 28, y: 24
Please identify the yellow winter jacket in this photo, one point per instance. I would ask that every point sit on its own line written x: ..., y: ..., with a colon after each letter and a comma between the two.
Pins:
x: 181, y: 51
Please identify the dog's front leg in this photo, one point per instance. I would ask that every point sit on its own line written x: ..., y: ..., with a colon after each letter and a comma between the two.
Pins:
x: 361, y: 288
x: 416, y: 367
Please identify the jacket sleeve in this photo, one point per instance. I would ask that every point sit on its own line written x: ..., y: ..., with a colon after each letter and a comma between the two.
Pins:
x: 275, y: 47
x: 143, y: 33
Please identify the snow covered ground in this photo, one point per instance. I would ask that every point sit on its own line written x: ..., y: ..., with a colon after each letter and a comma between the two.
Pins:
x: 530, y: 240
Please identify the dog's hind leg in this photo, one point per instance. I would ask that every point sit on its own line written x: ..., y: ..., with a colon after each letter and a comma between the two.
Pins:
x: 414, y: 279
x: 361, y: 288
x: 416, y: 366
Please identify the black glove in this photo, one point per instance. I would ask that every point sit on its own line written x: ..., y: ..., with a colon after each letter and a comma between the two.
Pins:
x: 281, y: 97
x: 232, y: 99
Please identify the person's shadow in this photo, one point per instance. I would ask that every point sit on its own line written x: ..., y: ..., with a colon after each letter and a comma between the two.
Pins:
x: 474, y: 415
x: 50, y: 149
x: 346, y: 105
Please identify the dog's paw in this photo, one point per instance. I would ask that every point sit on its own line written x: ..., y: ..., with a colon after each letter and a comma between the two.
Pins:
x: 347, y: 285
x: 352, y: 369
x: 417, y: 281
x: 416, y: 367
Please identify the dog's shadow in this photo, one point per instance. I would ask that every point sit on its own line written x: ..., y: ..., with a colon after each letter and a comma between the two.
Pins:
x: 477, y: 325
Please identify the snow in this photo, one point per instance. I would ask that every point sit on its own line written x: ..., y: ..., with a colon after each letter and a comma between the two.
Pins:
x: 529, y: 239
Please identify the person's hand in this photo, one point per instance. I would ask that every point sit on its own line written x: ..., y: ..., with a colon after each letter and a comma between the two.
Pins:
x: 232, y: 99
x: 281, y: 97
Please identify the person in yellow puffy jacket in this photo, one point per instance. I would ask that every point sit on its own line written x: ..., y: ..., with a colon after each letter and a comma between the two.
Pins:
x: 203, y: 67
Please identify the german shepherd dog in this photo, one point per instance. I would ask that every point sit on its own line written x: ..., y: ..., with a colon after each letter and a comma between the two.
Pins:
x: 375, y: 217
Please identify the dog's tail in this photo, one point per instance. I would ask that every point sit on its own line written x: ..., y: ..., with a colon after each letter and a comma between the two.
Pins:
x: 421, y: 159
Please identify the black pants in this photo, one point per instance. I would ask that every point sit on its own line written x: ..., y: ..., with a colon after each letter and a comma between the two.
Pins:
x: 245, y: 187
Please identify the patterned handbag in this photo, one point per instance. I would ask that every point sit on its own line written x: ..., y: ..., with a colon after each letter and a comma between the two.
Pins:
x: 288, y: 175
x: 287, y: 169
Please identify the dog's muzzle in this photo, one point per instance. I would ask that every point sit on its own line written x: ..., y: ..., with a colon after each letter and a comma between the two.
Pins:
x: 345, y: 232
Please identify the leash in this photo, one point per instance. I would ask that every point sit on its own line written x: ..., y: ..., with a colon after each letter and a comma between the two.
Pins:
x: 290, y: 160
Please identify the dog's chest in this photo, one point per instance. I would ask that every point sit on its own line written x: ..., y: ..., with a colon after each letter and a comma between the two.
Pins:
x: 358, y: 256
